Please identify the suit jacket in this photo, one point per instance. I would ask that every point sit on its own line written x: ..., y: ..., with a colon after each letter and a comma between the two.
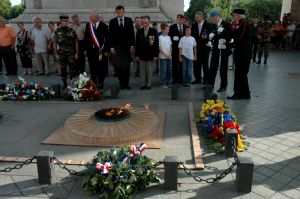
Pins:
x: 242, y: 40
x: 121, y: 37
x: 201, y: 38
x: 147, y: 47
x: 175, y: 38
x: 225, y: 34
x: 102, y: 32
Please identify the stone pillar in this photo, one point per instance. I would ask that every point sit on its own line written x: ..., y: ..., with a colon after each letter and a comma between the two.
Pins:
x: 37, y: 4
x: 286, y: 7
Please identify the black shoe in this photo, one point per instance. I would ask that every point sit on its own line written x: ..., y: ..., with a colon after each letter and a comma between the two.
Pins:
x: 254, y: 60
x: 196, y: 82
x: 7, y: 74
x: 39, y: 74
x: 221, y: 90
x: 258, y: 62
x: 128, y: 87
x: 148, y: 88
x: 234, y: 97
x: 143, y: 88
x: 265, y: 62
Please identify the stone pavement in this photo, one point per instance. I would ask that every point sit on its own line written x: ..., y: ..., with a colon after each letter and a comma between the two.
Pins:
x: 270, y: 120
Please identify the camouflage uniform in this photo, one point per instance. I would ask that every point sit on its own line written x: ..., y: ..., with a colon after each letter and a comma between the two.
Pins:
x: 66, y: 39
x: 264, y: 42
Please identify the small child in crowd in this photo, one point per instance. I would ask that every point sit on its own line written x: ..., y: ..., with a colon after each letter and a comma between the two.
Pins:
x: 165, y: 57
x: 187, y: 55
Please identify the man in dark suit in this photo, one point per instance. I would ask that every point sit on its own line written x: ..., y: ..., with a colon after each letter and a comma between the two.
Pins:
x: 97, y: 47
x: 220, y: 40
x: 176, y: 32
x: 146, y: 51
x: 200, y: 31
x: 122, y: 43
x: 242, y: 44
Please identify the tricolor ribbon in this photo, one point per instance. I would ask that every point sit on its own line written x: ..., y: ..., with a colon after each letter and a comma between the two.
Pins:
x: 103, y: 168
x: 135, y: 152
x: 95, y: 39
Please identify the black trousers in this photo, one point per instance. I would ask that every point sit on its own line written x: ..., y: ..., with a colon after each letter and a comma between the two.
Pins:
x: 214, y: 65
x: 96, y: 67
x: 201, y: 64
x: 176, y: 67
x: 254, y: 48
x: 9, y: 58
x: 80, y: 62
x: 241, y: 85
x: 121, y: 62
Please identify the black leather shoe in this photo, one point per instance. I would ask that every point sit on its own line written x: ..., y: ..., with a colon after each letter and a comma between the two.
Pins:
x: 265, y: 62
x: 143, y: 88
x: 221, y: 90
x: 234, y: 97
x: 128, y: 87
x: 258, y: 62
x: 148, y: 88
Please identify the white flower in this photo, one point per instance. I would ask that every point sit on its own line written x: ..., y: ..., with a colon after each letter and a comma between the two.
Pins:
x: 33, y: 91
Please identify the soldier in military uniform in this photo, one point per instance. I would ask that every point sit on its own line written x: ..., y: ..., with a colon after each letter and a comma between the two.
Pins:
x: 66, y: 48
x: 243, y: 51
x: 264, y: 40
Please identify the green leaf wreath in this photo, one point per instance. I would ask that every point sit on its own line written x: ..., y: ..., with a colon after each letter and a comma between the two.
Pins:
x: 119, y: 173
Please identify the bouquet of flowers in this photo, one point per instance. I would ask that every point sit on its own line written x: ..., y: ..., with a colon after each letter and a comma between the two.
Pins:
x: 216, y: 117
x: 83, y: 89
x: 22, y: 91
x: 120, y: 173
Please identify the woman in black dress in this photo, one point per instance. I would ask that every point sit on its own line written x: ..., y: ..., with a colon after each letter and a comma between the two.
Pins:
x: 24, y: 48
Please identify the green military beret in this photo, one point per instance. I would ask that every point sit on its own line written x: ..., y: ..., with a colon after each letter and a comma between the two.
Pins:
x: 63, y: 16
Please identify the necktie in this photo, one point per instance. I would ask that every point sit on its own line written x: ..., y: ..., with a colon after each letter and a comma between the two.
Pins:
x: 200, y: 28
x: 121, y: 23
x: 145, y: 32
x: 180, y: 30
x: 94, y: 25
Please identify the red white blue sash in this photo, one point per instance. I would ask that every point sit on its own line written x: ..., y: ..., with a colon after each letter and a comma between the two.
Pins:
x: 94, y: 36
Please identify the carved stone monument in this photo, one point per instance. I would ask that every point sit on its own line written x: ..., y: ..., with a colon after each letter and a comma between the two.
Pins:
x: 49, y: 10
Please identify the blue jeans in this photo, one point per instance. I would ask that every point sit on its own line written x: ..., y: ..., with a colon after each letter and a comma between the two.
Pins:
x: 165, y: 71
x: 187, y: 67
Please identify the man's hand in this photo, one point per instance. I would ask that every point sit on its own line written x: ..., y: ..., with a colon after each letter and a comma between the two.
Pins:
x: 180, y: 59
x: 137, y: 59
x: 132, y: 49
x: 195, y: 58
x: 106, y: 54
x: 57, y: 57
x: 112, y: 50
x: 154, y: 59
x: 76, y: 56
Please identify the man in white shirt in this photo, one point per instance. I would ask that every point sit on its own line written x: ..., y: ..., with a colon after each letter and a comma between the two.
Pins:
x: 290, y: 33
x: 41, y: 38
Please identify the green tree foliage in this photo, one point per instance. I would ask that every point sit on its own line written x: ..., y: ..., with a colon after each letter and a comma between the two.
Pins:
x: 5, y: 8
x: 223, y: 6
x: 260, y: 8
x: 9, y: 12
x: 253, y: 7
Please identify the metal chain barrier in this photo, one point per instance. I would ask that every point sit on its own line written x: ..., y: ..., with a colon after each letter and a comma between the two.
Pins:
x: 70, y: 171
x: 18, y: 166
x: 157, y: 164
x: 218, y: 176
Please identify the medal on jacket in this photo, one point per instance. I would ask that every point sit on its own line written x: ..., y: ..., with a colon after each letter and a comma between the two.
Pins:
x: 151, y: 40
x: 100, y: 54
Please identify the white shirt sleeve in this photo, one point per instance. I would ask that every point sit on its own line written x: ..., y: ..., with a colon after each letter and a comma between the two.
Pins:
x: 180, y: 45
x: 160, y: 42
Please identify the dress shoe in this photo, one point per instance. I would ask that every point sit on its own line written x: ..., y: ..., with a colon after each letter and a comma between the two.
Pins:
x: 196, y: 82
x: 221, y: 90
x: 265, y: 62
x: 258, y: 62
x: 128, y: 87
x: 148, y: 88
x: 234, y: 97
x: 39, y: 74
x: 143, y: 88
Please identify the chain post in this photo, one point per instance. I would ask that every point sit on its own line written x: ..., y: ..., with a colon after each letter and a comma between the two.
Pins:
x: 171, y: 171
x: 244, y: 174
x: 45, y: 167
x: 231, y: 140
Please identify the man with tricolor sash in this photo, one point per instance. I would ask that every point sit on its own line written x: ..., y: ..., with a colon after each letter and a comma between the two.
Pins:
x: 97, y: 47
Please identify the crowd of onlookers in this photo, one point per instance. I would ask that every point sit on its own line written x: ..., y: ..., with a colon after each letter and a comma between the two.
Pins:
x: 176, y: 51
